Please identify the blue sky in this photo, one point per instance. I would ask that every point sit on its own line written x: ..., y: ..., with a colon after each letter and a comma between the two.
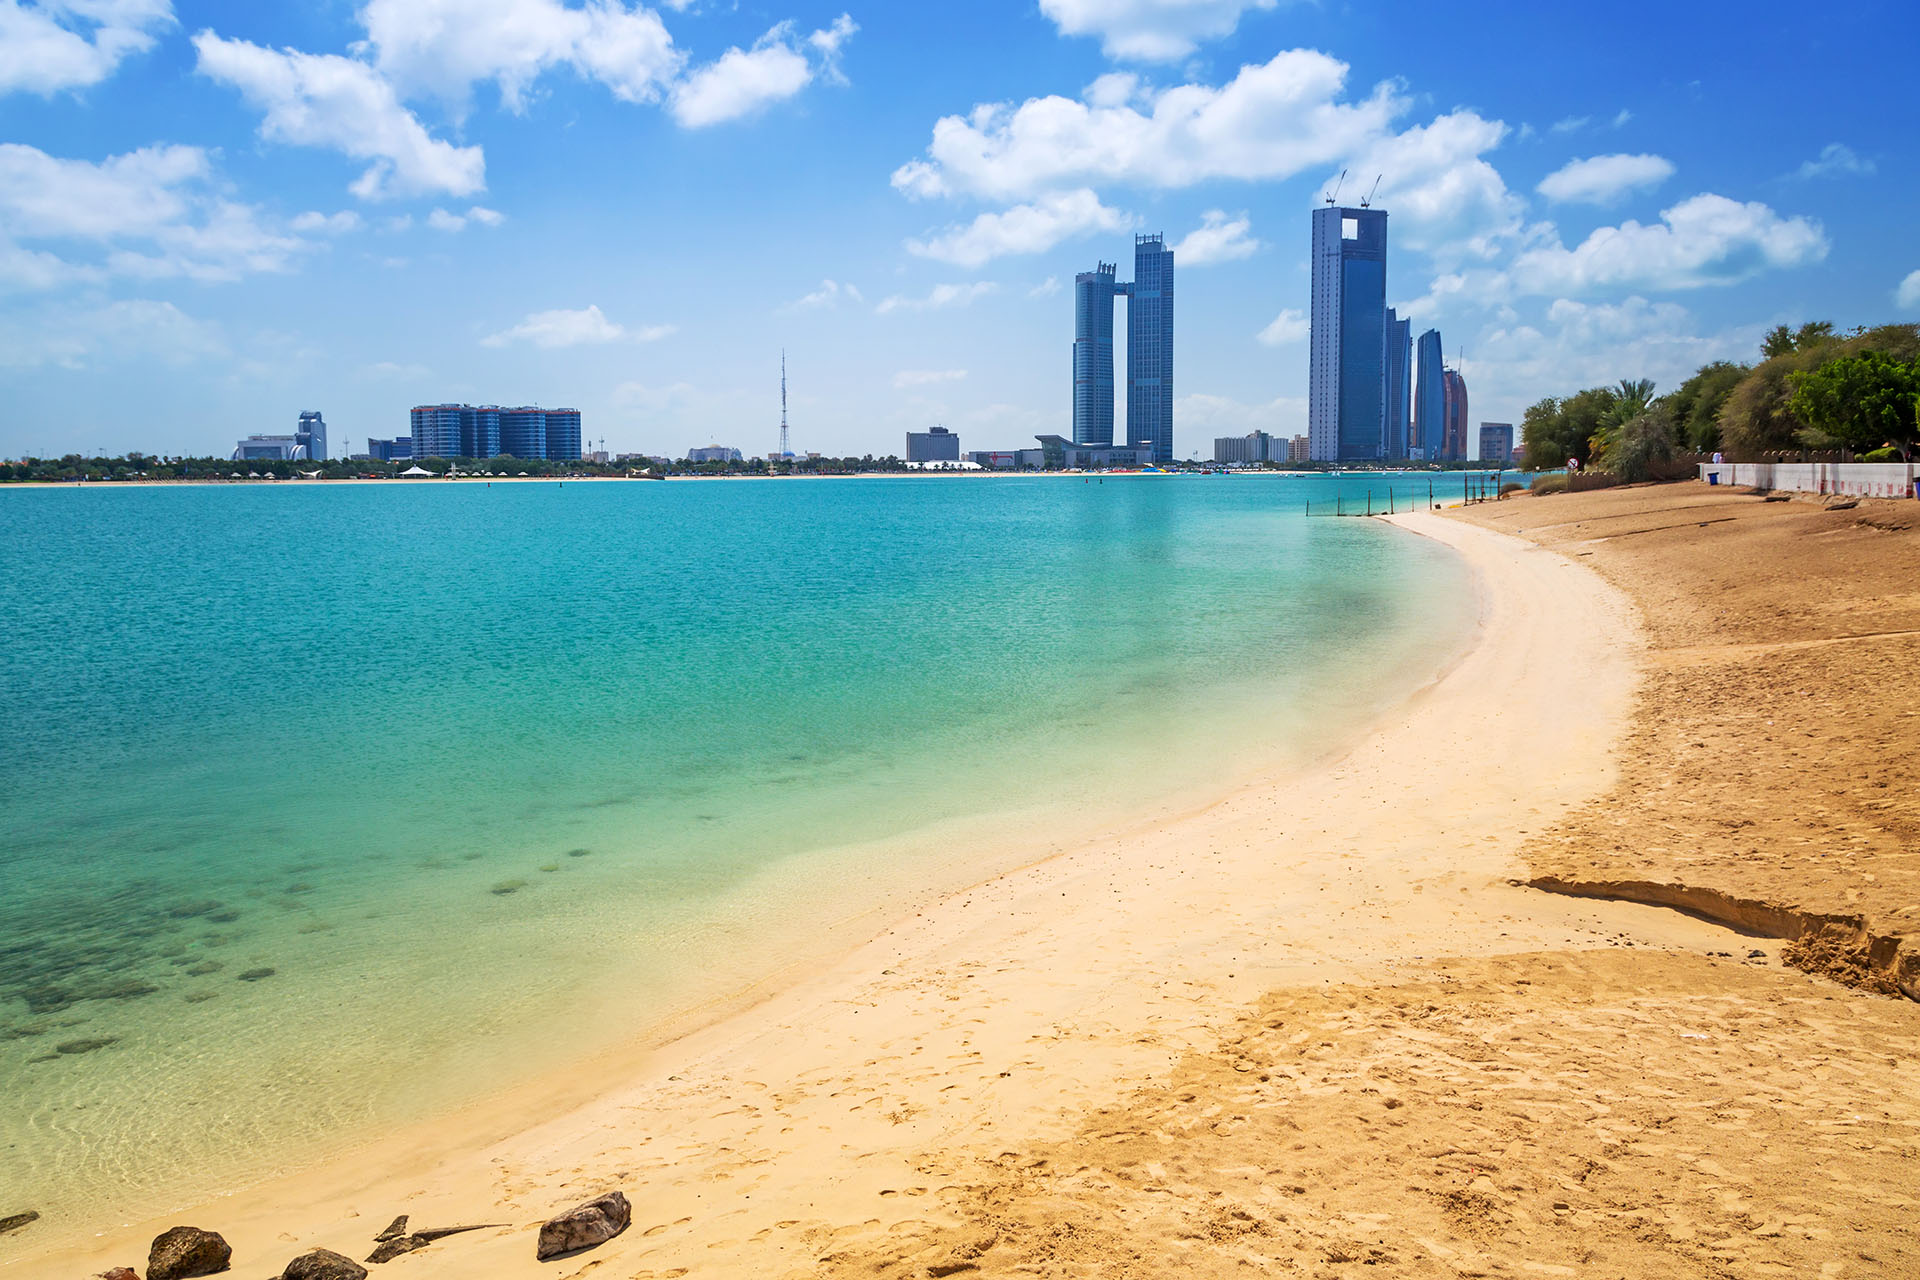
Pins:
x: 215, y: 215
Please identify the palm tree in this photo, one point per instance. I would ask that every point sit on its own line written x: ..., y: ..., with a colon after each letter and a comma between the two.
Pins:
x: 1631, y: 398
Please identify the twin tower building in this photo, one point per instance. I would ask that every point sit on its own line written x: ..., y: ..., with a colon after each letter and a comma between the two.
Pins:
x: 1149, y: 298
x: 1364, y: 403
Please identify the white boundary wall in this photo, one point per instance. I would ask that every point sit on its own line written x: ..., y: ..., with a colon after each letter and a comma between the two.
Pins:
x: 1855, y: 479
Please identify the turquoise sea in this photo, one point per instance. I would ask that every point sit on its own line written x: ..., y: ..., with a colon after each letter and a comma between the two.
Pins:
x: 330, y: 808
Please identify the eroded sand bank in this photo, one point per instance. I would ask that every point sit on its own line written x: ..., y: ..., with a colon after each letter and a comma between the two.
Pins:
x: 1081, y: 1068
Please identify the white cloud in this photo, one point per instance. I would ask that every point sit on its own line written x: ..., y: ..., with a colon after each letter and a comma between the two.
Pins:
x: 1025, y: 228
x: 939, y: 298
x: 441, y: 220
x: 148, y: 213
x: 1287, y: 327
x: 1149, y: 30
x: 828, y: 294
x: 1621, y: 117
x: 1218, y: 238
x: 1272, y: 120
x: 388, y: 369
x: 116, y: 332
x: 550, y: 329
x: 926, y: 377
x: 1046, y: 288
x: 50, y: 45
x: 1705, y: 240
x: 1571, y: 124
x: 1835, y: 158
x: 1908, y: 294
x: 444, y: 47
x: 1604, y: 179
x: 741, y: 81
x: 1203, y: 417
x: 323, y: 100
x: 1584, y: 344
x: 1443, y: 196
x: 331, y: 224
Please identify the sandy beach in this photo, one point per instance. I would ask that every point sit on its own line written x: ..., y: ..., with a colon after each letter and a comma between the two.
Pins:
x: 1322, y: 1027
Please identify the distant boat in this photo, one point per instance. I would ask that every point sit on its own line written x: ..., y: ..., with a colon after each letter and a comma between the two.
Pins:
x: 645, y: 475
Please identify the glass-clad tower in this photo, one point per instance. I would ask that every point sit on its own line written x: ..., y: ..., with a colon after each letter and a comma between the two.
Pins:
x: 1346, y: 376
x: 1150, y: 347
x: 1093, y: 355
x: 1399, y: 365
x: 1429, y: 398
x: 312, y: 432
x: 1453, y: 447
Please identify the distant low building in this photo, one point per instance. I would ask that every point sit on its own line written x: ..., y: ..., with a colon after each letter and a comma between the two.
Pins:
x: 600, y: 456
x: 286, y: 448
x: 1057, y: 453
x: 1254, y: 447
x: 1300, y: 449
x: 713, y: 453
x: 1496, y: 442
x: 935, y: 445
x: 400, y: 447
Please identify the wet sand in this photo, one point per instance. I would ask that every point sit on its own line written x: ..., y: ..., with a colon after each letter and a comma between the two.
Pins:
x: 1313, y: 1029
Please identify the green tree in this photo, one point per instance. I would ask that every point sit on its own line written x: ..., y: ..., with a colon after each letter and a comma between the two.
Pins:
x: 1781, y: 341
x: 1861, y: 401
x: 1696, y: 405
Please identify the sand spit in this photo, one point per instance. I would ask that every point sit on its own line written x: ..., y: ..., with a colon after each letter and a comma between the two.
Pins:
x: 1312, y: 1030
x: 1767, y: 779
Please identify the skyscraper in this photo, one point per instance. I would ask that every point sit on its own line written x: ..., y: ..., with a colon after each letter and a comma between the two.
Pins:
x: 1093, y: 355
x: 1454, y: 412
x: 312, y: 433
x: 1429, y: 398
x: 1149, y: 350
x: 1150, y: 347
x: 1347, y: 384
x: 1399, y: 367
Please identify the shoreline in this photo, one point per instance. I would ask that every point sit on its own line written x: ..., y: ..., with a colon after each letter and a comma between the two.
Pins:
x: 1145, y: 870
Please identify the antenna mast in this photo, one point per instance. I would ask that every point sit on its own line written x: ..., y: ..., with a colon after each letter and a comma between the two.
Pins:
x: 785, y: 452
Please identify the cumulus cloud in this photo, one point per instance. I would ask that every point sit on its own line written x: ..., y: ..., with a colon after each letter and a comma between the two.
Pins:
x: 1604, y: 179
x: 88, y: 336
x: 829, y: 294
x: 1705, y: 240
x: 444, y: 47
x: 1835, y: 159
x: 939, y: 298
x: 331, y: 224
x: 1287, y: 327
x: 1046, y: 288
x: 1025, y: 228
x: 1444, y: 197
x: 50, y: 45
x: 926, y: 377
x: 741, y: 81
x: 441, y: 220
x: 1582, y: 344
x: 588, y: 327
x: 1203, y: 416
x: 1149, y: 30
x: 323, y: 100
x: 150, y: 213
x: 1908, y: 294
x: 1271, y: 121
x: 1218, y: 238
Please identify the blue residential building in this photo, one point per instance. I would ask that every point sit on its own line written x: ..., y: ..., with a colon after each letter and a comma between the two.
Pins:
x: 1347, y: 377
x: 1429, y: 398
x: 1150, y: 347
x: 1093, y: 293
x: 488, y: 431
x: 1399, y: 366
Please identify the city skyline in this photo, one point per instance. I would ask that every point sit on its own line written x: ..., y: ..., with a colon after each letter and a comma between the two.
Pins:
x: 215, y: 214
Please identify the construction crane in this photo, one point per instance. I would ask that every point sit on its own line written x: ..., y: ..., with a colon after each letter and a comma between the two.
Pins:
x: 1334, y: 194
x: 1368, y: 202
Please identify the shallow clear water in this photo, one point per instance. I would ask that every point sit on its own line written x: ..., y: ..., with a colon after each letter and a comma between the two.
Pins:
x: 325, y: 808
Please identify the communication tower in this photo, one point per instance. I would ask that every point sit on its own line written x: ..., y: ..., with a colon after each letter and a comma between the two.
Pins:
x: 785, y: 452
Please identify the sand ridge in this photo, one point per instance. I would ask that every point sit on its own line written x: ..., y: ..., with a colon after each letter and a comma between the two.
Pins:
x: 885, y: 1116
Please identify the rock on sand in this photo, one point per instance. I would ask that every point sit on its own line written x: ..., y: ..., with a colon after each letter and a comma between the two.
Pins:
x: 187, y: 1251
x: 584, y: 1226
